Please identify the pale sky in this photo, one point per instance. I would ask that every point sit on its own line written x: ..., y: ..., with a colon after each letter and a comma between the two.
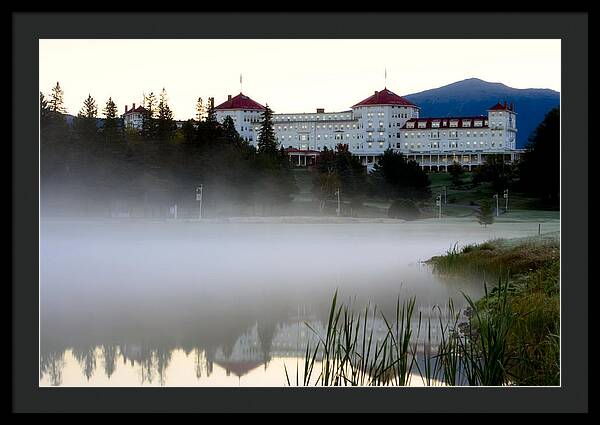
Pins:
x: 289, y: 75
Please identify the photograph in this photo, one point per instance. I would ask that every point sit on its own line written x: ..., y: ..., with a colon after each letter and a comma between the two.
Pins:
x: 307, y: 212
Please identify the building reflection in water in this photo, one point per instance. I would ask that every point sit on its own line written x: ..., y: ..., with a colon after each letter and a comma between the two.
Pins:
x: 237, y: 355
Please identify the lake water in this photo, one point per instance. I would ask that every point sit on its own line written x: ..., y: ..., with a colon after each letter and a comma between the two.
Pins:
x: 133, y: 303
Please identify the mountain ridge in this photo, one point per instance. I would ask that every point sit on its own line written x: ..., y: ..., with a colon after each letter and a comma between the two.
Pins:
x: 473, y: 96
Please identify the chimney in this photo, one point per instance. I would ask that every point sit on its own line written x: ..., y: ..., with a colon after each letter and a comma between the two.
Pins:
x: 228, y: 97
x: 133, y: 107
x: 376, y: 92
x: 125, y: 108
x: 505, y: 104
x: 320, y: 110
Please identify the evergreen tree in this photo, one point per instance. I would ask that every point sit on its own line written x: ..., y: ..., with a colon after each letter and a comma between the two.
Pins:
x: 200, y: 112
x: 456, y: 172
x: 189, y: 130
x: 56, y: 103
x: 230, y: 133
x: 165, y: 125
x: 85, y: 124
x: 149, y: 122
x: 267, y: 143
x: 496, y: 171
x: 44, y: 112
x: 394, y: 177
x: 485, y: 215
x: 539, y: 169
x: 211, y: 116
x: 112, y: 128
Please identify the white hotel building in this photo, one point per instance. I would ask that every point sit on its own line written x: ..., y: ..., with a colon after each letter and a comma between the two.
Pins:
x: 379, y: 122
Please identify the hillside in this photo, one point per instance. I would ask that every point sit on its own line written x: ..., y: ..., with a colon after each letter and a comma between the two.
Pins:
x: 473, y: 96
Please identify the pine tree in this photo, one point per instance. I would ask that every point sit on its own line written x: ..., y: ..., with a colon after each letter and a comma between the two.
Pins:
x: 267, y: 143
x: 485, y: 215
x: 149, y: 122
x: 211, y: 116
x: 229, y: 131
x: 56, y: 102
x: 112, y: 128
x: 86, y: 121
x: 44, y: 111
x: 165, y: 124
x: 539, y: 170
x: 200, y: 112
x: 90, y: 109
x: 456, y: 172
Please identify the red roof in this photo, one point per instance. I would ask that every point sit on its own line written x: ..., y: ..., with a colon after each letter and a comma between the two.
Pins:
x: 139, y: 109
x: 241, y: 101
x: 500, y: 107
x: 428, y: 122
x: 385, y: 97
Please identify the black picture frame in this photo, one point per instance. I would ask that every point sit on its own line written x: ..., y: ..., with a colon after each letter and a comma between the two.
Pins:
x: 571, y: 28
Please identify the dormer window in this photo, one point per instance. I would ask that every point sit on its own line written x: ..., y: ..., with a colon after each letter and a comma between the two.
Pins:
x: 453, y: 123
x: 478, y: 123
x: 466, y: 123
x: 422, y: 124
x: 435, y: 124
x: 410, y: 125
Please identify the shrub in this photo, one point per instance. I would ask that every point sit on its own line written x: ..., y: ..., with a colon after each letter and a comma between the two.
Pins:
x: 404, y: 209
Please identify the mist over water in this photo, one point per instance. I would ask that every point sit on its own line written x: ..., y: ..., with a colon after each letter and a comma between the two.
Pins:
x: 150, y: 295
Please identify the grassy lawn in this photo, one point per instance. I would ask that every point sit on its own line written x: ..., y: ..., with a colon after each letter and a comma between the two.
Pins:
x: 461, y: 202
x: 466, y: 194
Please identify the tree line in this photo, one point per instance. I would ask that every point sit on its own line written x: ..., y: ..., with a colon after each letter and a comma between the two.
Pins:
x: 99, y: 161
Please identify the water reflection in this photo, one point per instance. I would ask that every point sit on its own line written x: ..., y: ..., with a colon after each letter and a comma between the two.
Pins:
x: 236, y: 356
x: 130, y: 305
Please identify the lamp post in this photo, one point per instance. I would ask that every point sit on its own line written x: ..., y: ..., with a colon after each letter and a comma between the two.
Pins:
x: 496, y: 198
x: 506, y: 197
x: 338, y: 210
x: 199, y: 199
x: 445, y: 195
x: 438, y: 203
